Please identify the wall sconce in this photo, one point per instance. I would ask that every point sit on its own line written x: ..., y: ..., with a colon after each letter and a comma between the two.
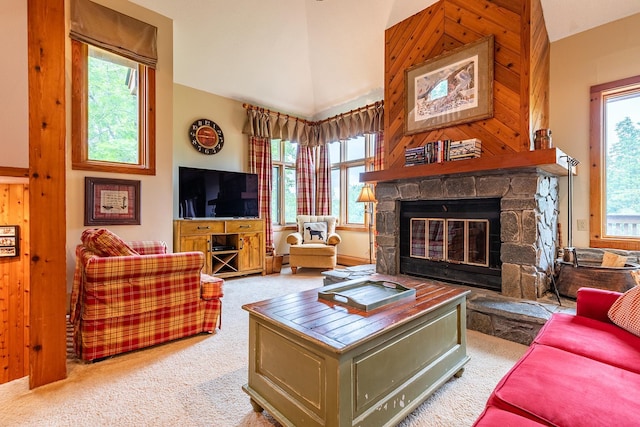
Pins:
x: 366, y: 196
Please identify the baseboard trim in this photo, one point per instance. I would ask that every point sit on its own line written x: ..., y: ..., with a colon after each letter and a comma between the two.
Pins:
x: 342, y: 260
x: 351, y: 260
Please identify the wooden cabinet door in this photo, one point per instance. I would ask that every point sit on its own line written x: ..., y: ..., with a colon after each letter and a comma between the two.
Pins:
x: 251, y: 255
x: 199, y: 244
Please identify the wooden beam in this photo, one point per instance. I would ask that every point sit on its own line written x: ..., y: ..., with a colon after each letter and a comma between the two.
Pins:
x: 14, y: 172
x: 47, y: 117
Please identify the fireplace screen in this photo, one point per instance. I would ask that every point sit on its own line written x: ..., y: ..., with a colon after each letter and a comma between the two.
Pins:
x: 463, y: 241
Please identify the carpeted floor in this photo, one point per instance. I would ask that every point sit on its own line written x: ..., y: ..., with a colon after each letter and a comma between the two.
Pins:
x: 197, y: 381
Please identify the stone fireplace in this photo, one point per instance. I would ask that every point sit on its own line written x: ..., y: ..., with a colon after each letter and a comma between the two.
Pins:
x: 524, y: 180
x: 528, y: 209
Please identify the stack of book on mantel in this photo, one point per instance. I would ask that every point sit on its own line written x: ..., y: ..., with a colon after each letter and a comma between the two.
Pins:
x: 465, y: 149
x: 442, y: 151
x: 415, y: 156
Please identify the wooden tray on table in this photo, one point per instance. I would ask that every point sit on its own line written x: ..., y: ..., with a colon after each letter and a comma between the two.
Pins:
x: 366, y: 294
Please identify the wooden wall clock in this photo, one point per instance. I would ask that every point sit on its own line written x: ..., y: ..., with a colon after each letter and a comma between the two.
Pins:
x: 206, y: 136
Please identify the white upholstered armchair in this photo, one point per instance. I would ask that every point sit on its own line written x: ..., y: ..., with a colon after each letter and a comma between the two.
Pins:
x: 314, y: 244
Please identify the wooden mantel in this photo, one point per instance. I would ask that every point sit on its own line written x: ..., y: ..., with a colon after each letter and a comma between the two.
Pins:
x: 552, y: 160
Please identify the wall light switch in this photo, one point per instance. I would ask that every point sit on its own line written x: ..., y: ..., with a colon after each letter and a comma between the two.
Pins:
x: 582, y: 225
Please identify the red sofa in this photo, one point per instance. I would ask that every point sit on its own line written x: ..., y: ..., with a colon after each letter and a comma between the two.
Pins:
x: 580, y: 370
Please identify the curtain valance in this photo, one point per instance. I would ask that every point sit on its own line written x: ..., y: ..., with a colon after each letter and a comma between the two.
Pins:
x: 113, y: 31
x: 273, y: 125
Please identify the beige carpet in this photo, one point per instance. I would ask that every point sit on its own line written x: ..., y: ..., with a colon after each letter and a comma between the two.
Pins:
x: 197, y: 381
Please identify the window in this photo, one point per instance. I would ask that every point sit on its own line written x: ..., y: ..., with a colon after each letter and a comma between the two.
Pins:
x: 349, y: 159
x: 614, y: 153
x: 283, y: 190
x: 113, y: 119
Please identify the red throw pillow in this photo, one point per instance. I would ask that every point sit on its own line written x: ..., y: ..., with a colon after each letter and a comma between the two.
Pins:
x: 104, y: 243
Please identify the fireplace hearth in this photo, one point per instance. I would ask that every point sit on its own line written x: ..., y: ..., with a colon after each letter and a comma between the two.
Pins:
x: 527, y: 228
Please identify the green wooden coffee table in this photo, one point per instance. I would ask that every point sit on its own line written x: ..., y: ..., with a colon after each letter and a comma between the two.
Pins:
x: 316, y: 362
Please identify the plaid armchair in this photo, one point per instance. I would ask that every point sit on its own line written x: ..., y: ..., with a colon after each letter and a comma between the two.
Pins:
x: 130, y: 296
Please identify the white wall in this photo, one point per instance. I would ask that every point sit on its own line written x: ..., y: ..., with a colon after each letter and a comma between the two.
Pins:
x: 192, y: 104
x: 603, y: 54
x: 14, y: 105
x: 156, y: 191
x: 355, y: 243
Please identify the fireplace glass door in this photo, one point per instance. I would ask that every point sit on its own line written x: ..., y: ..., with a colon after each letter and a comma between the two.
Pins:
x: 463, y: 241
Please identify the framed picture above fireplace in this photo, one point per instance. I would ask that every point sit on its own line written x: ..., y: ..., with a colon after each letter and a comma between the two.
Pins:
x: 453, y: 88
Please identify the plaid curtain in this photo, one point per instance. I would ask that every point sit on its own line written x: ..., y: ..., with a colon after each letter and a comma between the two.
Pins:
x: 260, y: 163
x: 323, y: 181
x: 378, y: 156
x: 313, y: 186
x: 305, y: 176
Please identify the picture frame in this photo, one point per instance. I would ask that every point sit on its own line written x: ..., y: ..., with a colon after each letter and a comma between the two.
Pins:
x: 9, y: 241
x: 453, y: 88
x: 111, y: 201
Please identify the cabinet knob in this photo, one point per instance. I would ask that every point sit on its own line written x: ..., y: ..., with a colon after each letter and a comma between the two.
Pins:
x: 244, y: 226
x: 200, y: 227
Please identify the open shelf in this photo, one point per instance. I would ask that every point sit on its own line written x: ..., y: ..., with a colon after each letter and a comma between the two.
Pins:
x: 224, y: 261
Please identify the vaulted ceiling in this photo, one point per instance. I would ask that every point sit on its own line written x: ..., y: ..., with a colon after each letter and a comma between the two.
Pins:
x: 305, y: 57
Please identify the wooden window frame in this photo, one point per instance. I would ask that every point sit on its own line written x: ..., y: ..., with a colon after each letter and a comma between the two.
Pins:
x: 342, y: 166
x: 79, y: 119
x: 282, y: 167
x: 597, y: 174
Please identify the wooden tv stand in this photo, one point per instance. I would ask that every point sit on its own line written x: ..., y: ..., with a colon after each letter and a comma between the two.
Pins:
x: 232, y: 246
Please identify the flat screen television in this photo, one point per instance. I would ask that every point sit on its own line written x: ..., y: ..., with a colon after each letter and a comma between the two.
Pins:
x: 208, y: 193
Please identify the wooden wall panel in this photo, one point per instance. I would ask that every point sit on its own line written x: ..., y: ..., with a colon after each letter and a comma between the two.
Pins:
x: 540, y: 69
x: 14, y: 286
x: 410, y: 42
x: 521, y: 70
x: 525, y: 76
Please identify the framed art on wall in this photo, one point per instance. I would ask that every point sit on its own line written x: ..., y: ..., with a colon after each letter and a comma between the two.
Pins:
x: 453, y: 88
x: 9, y: 240
x: 111, y: 201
